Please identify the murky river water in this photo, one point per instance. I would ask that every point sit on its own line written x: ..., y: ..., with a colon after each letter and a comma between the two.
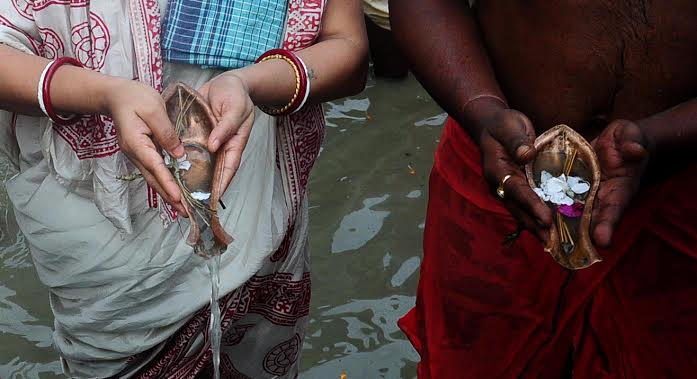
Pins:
x: 367, y: 205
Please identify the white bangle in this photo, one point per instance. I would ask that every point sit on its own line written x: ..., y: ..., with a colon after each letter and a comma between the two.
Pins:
x: 307, y: 84
x: 40, y: 89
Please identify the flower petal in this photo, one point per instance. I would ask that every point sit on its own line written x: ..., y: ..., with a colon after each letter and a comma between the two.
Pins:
x: 581, y: 187
x: 560, y: 198
x: 575, y: 210
x: 556, y: 185
x: 202, y: 196
x: 545, y: 176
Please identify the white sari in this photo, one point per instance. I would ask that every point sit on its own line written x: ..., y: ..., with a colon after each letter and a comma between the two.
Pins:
x: 128, y: 295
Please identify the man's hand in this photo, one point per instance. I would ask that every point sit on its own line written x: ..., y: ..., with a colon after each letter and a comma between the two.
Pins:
x: 622, y: 151
x: 506, y: 140
x: 233, y: 109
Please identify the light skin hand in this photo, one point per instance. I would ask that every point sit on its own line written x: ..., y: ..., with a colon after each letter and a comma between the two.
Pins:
x: 228, y: 96
x: 141, y: 120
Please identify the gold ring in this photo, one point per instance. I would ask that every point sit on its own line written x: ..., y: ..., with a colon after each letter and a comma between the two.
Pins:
x: 500, y: 191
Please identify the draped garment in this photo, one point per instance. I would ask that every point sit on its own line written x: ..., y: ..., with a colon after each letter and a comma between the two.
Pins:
x: 486, y: 310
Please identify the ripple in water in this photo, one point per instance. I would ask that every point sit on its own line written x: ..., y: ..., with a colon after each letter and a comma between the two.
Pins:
x: 375, y: 347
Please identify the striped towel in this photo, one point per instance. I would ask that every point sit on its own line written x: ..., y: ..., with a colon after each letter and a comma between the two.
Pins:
x: 222, y: 33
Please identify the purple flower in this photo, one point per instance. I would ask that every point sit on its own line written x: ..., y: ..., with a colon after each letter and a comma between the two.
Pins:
x: 574, y: 210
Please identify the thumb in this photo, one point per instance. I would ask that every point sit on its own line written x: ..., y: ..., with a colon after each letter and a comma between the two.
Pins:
x: 223, y: 131
x: 516, y: 134
x: 630, y: 141
x: 164, y: 132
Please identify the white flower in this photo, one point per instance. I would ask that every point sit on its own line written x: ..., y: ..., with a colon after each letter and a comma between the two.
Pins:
x: 182, y: 162
x: 202, y: 196
x: 560, y: 190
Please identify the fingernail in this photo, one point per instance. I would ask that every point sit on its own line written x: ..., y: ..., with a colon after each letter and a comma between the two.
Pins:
x: 522, y: 150
x: 215, y: 144
x: 179, y: 151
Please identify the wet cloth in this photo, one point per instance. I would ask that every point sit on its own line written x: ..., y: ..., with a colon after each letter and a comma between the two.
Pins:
x: 128, y: 295
x: 222, y: 33
x: 485, y: 310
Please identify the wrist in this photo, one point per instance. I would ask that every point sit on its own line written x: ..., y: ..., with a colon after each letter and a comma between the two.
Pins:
x: 480, y: 111
x: 241, y: 75
x: 104, y: 91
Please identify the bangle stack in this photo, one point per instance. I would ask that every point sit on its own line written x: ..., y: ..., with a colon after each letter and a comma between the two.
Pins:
x: 44, y: 91
x: 302, y: 82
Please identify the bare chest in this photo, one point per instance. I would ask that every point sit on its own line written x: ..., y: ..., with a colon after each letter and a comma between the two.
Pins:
x: 578, y: 61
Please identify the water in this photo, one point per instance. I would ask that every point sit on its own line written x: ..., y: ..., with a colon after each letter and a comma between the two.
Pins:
x: 366, y: 246
x: 215, y: 332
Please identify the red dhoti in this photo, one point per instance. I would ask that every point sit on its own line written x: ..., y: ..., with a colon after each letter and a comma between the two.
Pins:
x: 485, y: 310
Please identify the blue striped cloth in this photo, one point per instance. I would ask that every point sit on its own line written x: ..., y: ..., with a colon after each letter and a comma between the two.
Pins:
x: 222, y: 33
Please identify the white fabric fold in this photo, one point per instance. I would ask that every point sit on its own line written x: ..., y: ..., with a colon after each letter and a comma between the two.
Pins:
x: 115, y: 295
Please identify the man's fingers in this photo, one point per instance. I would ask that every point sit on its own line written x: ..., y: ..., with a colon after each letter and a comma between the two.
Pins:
x: 633, y: 152
x: 528, y: 223
x: 516, y: 134
x: 163, y: 131
x: 518, y: 190
x: 496, y: 165
x: 607, y: 212
x: 630, y: 140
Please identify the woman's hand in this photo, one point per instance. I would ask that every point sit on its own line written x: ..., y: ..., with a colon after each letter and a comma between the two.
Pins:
x: 622, y: 151
x: 140, y: 116
x: 228, y: 96
x: 506, y: 140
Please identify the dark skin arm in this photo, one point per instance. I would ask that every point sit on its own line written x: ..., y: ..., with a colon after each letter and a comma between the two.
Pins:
x: 449, y: 59
x: 673, y: 132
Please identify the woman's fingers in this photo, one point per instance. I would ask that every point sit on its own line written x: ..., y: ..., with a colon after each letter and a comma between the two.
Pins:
x: 159, y: 124
x: 228, y: 126
x: 233, y: 151
x: 151, y: 162
x: 152, y: 181
x: 142, y: 151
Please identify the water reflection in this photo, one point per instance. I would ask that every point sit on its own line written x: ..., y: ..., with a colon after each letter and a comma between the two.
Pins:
x: 406, y: 270
x: 16, y: 320
x: 373, y: 346
x: 19, y: 369
x: 359, y: 227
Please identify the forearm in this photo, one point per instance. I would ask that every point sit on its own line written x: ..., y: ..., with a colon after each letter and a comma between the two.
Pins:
x: 73, y: 89
x: 446, y: 53
x: 672, y: 133
x: 338, y: 69
x: 338, y: 61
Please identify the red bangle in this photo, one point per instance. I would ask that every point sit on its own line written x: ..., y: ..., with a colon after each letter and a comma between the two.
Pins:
x: 301, y: 87
x: 46, y: 91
